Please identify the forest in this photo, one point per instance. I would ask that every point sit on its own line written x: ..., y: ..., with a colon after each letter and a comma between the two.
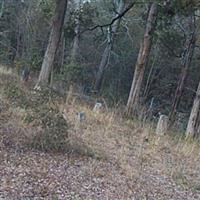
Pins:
x: 100, y: 99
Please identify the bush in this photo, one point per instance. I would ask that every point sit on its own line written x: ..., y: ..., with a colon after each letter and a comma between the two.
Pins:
x: 53, y: 135
x: 73, y: 72
x: 41, y: 113
x: 45, y: 114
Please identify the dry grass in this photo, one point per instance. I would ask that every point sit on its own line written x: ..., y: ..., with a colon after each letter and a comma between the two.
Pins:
x: 134, y: 148
x: 127, y: 157
x: 4, y: 70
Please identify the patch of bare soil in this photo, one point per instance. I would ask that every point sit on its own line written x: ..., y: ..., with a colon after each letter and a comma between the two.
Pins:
x: 44, y: 176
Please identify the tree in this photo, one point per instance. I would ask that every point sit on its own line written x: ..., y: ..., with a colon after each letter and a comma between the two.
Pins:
x: 142, y: 60
x: 111, y: 32
x: 75, y: 45
x: 54, y: 39
x: 190, y: 131
x: 186, y: 59
x: 2, y: 8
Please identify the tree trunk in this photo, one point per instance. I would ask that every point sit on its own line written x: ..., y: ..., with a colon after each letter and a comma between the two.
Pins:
x: 75, y: 46
x: 60, y: 55
x: 106, y: 53
x: 190, y: 131
x: 103, y: 64
x: 145, y: 48
x: 2, y: 8
x: 185, y: 65
x: 53, y: 44
x: 19, y: 43
x: 62, y: 59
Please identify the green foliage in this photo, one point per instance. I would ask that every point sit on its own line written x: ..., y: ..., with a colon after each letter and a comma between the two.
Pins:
x: 47, y: 8
x: 74, y: 72
x: 86, y: 14
x: 44, y: 113
x: 31, y: 28
x: 186, y: 5
x: 35, y: 61
x: 41, y: 112
x: 54, y: 135
x: 13, y: 91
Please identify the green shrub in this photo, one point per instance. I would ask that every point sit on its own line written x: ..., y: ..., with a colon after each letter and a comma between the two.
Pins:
x: 44, y: 113
x: 73, y: 72
x: 41, y: 113
x: 54, y: 134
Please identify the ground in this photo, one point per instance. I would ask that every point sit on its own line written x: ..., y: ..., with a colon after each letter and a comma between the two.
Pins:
x: 110, y: 157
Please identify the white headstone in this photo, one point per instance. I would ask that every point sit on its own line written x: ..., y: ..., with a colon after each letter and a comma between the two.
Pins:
x: 97, y: 107
x: 162, y: 125
x: 81, y: 116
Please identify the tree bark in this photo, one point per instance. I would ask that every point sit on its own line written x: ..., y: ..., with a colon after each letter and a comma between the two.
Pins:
x: 103, y: 64
x: 62, y: 59
x: 190, y: 131
x: 56, y: 30
x: 19, y: 43
x: 185, y: 65
x: 106, y: 53
x: 2, y: 9
x: 75, y: 46
x: 145, y: 48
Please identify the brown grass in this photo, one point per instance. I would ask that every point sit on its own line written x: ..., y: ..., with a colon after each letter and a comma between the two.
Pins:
x: 138, y: 153
x: 134, y: 148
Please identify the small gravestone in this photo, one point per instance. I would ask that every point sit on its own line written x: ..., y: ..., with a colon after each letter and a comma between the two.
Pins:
x: 25, y: 74
x: 162, y: 125
x: 81, y: 116
x: 97, y: 107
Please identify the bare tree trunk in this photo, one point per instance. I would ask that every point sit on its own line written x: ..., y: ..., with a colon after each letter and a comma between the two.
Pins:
x: 185, y: 65
x: 103, y: 65
x: 75, y: 46
x: 53, y: 44
x: 19, y: 43
x: 60, y: 55
x: 145, y: 48
x: 190, y: 131
x: 62, y: 60
x: 2, y: 8
x: 106, y: 54
x: 151, y: 73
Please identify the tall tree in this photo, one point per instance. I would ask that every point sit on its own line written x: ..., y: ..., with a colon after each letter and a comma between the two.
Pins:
x: 186, y: 59
x: 111, y: 32
x: 54, y: 39
x: 145, y: 48
x: 190, y: 131
x: 75, y: 45
x: 2, y: 8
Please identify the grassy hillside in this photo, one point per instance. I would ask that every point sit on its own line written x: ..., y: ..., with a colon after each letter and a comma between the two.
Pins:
x: 47, y: 153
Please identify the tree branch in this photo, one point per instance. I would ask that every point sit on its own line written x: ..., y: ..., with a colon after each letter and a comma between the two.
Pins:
x: 119, y: 16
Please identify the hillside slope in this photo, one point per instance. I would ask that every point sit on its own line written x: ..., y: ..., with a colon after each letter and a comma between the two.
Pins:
x: 103, y: 157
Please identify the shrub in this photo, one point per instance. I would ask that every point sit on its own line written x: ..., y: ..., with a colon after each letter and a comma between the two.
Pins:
x: 73, y: 72
x: 41, y: 113
x: 45, y: 114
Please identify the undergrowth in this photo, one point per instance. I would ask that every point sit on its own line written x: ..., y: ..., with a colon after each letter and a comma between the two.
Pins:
x: 135, y: 148
x: 40, y: 112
